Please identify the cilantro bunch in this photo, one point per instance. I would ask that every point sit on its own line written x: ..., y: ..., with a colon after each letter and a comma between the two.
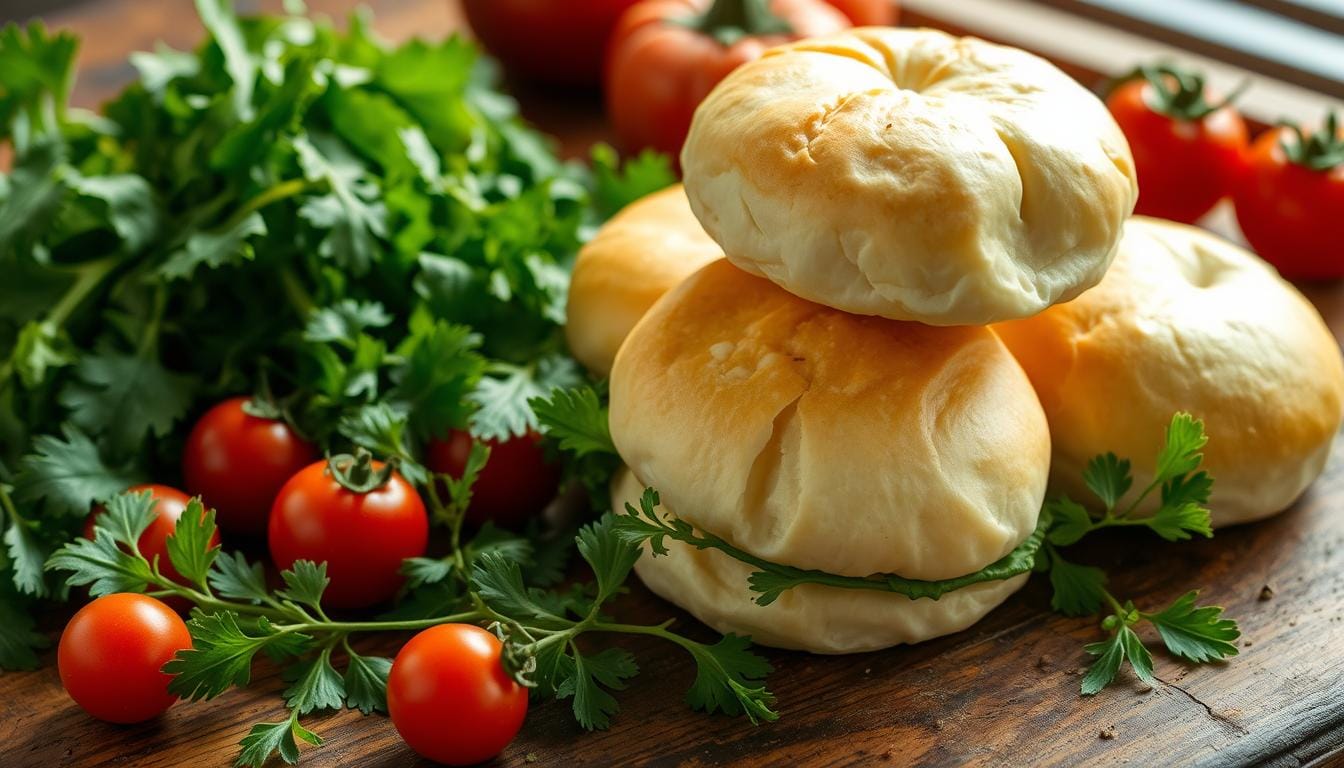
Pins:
x: 364, y: 237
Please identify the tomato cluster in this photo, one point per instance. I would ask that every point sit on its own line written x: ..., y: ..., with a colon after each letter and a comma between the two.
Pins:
x: 1191, y: 149
x: 361, y: 518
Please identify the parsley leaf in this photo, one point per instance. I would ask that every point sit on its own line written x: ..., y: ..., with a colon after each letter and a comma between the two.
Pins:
x: 366, y: 682
x: 503, y: 400
x: 19, y: 637
x: 124, y: 397
x: 1181, y: 452
x: 1198, y: 634
x: 305, y: 581
x: 266, y: 739
x: 1109, y: 478
x: 615, y: 187
x: 1078, y: 589
x: 575, y: 418
x: 189, y: 546
x: 585, y: 678
x: 610, y: 556
x: 315, y: 685
x: 221, y: 654
x: 729, y: 678
x: 69, y: 474
x: 233, y: 577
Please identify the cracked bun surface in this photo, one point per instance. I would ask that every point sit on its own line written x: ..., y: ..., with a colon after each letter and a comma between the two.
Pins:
x: 819, y: 439
x: 912, y: 175
x: 1187, y: 321
x: 636, y: 257
x: 713, y: 587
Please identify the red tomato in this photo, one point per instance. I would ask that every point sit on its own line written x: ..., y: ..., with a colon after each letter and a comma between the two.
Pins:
x: 515, y: 484
x: 1187, y: 157
x: 112, y: 654
x: 450, y: 698
x: 361, y: 535
x: 237, y: 462
x: 660, y: 66
x: 1291, y: 208
x: 549, y: 41
x: 869, y: 13
x: 169, y: 504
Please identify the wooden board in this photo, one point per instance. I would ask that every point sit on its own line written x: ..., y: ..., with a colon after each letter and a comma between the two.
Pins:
x: 1002, y: 693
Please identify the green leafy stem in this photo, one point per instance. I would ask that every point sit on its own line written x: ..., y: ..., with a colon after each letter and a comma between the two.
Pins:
x: 770, y: 580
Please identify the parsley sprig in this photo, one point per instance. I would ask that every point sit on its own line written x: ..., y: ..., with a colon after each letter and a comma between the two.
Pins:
x: 236, y: 617
x: 1198, y: 634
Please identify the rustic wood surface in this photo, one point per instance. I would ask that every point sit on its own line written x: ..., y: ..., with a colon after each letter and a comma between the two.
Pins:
x: 1002, y: 693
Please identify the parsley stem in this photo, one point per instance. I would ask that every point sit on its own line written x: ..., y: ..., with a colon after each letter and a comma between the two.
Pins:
x: 381, y: 626
x: 1115, y: 604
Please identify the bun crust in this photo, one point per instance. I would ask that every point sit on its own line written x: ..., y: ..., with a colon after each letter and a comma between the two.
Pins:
x: 818, y: 439
x: 912, y: 175
x: 636, y: 257
x: 713, y: 588
x: 1186, y: 321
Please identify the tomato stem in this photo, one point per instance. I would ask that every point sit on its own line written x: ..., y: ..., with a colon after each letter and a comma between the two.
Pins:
x: 728, y: 21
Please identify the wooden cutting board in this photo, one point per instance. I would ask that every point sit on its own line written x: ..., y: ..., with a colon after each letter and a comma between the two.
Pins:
x: 1004, y: 692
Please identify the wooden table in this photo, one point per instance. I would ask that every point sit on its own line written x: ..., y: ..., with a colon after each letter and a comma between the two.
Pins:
x: 1004, y: 692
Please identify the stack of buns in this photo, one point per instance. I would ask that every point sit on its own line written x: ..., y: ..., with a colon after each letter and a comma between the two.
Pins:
x: 800, y: 345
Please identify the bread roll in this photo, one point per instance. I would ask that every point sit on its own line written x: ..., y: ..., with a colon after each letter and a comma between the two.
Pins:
x: 819, y: 439
x: 636, y: 257
x: 713, y: 587
x: 1186, y: 321
x: 912, y: 175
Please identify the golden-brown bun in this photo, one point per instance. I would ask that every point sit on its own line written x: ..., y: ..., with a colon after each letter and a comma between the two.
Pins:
x: 636, y: 257
x: 713, y: 587
x: 1186, y: 321
x: 913, y: 175
x: 818, y: 439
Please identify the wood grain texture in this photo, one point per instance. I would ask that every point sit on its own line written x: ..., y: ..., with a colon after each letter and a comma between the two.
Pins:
x: 1004, y: 692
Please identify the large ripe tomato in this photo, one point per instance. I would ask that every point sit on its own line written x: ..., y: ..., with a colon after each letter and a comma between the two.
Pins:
x: 1290, y: 202
x: 359, y: 517
x: 516, y: 483
x: 1187, y: 153
x: 869, y: 13
x: 450, y: 698
x: 169, y: 504
x: 666, y: 56
x: 112, y: 654
x: 550, y: 41
x: 236, y: 463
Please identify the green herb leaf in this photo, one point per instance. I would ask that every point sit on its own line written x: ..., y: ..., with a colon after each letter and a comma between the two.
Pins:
x: 576, y: 418
x: 588, y: 677
x: 366, y: 682
x: 610, y: 556
x: 69, y: 474
x: 305, y: 581
x: 1078, y: 589
x: 232, y: 577
x: 19, y: 638
x: 266, y: 739
x: 615, y: 187
x: 315, y: 685
x: 503, y: 402
x: 1070, y: 521
x: 345, y: 320
x: 230, y: 245
x: 221, y: 654
x: 1197, y: 634
x: 730, y: 678
x: 1109, y: 478
x: 125, y: 397
x: 189, y: 546
x: 1181, y: 452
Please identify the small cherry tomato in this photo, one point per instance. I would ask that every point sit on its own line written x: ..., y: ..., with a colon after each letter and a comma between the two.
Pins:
x: 450, y: 698
x: 515, y: 484
x: 112, y: 653
x: 236, y: 463
x: 169, y: 504
x: 550, y: 41
x: 869, y: 13
x: 1187, y: 151
x: 1290, y: 202
x: 358, y: 516
x: 666, y: 55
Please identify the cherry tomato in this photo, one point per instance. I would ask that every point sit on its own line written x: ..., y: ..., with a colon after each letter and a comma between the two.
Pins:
x: 359, y: 517
x: 236, y: 463
x: 515, y: 484
x: 664, y: 58
x: 169, y: 504
x: 450, y: 698
x: 548, y: 41
x: 1290, y: 203
x: 869, y: 13
x: 112, y: 653
x: 1187, y: 155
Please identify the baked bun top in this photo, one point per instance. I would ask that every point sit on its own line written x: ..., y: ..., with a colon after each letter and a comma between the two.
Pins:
x: 819, y: 439
x: 913, y: 175
x: 1187, y: 321
x: 641, y: 253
